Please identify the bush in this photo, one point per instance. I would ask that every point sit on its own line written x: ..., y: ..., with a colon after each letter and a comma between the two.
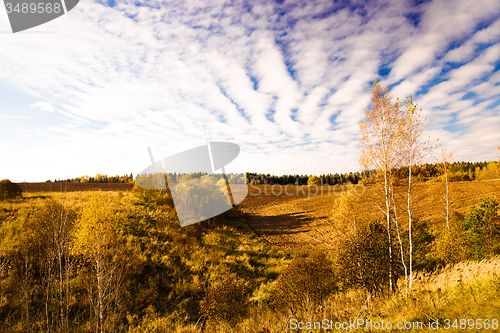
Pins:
x: 149, y: 197
x: 305, y: 280
x: 9, y: 190
x: 226, y: 300
x: 364, y: 259
x: 423, y: 239
x: 481, y: 228
x: 450, y: 245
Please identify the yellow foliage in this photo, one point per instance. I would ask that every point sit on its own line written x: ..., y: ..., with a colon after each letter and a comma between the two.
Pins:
x: 491, y: 171
x: 97, y: 227
x: 344, y: 211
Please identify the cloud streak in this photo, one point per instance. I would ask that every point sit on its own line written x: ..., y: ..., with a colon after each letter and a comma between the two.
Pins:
x: 287, y: 81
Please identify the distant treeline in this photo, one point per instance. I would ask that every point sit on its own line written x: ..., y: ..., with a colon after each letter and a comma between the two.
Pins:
x: 330, y: 179
x: 99, y: 178
x: 458, y: 171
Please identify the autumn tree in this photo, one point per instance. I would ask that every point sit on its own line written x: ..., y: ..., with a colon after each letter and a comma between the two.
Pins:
x: 446, y: 159
x: 347, y: 223
x: 381, y: 151
x: 96, y: 240
x: 9, y: 190
x: 313, y: 181
x: 363, y: 258
x: 414, y: 150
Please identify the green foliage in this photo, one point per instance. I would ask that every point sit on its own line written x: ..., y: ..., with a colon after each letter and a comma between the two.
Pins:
x: 99, y: 178
x: 305, y: 281
x: 363, y: 259
x: 481, y: 228
x: 459, y: 171
x: 9, y: 190
x: 423, y: 239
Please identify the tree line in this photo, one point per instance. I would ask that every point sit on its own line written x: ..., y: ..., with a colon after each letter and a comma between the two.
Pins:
x: 458, y: 171
x: 98, y: 178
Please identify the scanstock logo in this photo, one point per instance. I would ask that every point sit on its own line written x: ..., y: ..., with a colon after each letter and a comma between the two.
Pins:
x: 197, y: 180
x: 26, y: 14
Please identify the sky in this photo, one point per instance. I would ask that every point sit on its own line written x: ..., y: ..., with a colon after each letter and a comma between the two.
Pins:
x: 288, y: 81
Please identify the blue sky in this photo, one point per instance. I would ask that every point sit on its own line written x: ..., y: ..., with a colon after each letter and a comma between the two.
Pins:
x: 288, y: 81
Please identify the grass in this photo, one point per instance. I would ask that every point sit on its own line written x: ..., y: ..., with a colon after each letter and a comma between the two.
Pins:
x: 468, y: 290
x: 169, y: 268
x: 193, y: 258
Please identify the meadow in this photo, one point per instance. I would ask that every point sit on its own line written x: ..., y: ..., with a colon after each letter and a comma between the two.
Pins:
x: 118, y: 261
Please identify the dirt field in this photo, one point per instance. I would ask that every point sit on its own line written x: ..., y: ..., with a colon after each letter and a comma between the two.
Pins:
x: 299, y: 218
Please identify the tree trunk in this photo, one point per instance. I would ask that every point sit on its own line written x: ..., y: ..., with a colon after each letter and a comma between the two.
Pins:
x: 410, y: 240
x: 388, y: 217
x: 447, y: 197
x: 399, y: 239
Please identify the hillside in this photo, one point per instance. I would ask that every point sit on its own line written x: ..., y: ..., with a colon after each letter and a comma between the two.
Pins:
x: 301, y: 221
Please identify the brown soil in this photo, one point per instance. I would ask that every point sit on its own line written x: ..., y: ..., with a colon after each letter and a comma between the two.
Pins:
x: 299, y: 219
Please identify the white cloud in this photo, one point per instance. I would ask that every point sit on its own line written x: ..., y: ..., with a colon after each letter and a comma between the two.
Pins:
x: 44, y: 106
x: 286, y: 81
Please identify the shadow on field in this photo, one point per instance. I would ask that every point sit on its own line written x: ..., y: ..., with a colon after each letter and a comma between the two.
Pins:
x: 285, y: 224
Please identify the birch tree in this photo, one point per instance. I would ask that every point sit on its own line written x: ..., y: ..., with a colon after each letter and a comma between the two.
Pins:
x: 380, y: 150
x: 96, y: 239
x: 446, y: 159
x: 414, y: 150
x: 346, y: 221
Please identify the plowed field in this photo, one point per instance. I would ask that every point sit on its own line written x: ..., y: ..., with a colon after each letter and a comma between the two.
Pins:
x: 298, y: 219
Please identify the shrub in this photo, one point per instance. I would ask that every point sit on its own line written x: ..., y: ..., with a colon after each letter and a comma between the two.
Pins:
x: 305, y: 280
x: 149, y: 197
x: 423, y: 239
x: 364, y: 259
x: 226, y: 300
x: 450, y: 245
x: 9, y: 190
x: 481, y: 229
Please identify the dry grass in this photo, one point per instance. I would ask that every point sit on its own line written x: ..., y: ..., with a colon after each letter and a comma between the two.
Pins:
x: 465, y: 273
x: 468, y: 290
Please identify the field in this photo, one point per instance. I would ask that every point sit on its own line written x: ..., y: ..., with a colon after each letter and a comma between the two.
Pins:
x: 226, y: 274
x: 297, y: 217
